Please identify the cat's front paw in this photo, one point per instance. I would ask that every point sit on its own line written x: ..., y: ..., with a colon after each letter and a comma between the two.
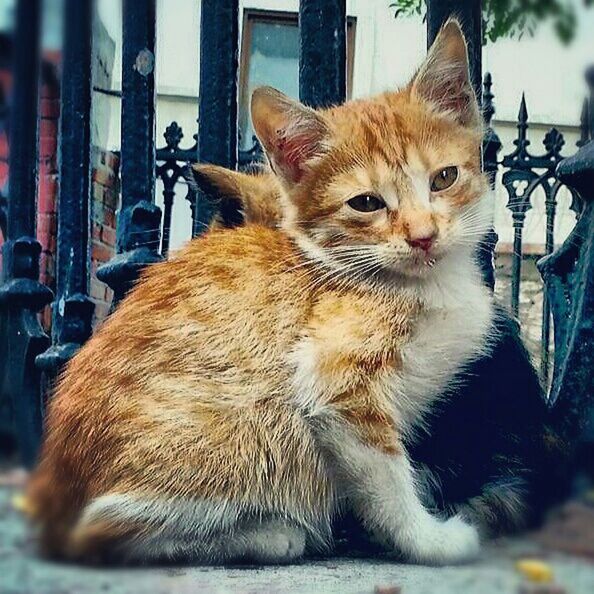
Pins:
x: 446, y: 543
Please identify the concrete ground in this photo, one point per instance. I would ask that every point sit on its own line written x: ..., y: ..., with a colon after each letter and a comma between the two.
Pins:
x: 21, y: 572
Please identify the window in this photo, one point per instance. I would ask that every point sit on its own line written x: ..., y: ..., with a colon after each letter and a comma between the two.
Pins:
x: 270, y: 56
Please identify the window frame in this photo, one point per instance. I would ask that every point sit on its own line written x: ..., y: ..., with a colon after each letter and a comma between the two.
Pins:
x: 251, y: 15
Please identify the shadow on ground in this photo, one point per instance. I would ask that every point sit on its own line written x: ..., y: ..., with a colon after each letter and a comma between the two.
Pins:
x: 21, y: 572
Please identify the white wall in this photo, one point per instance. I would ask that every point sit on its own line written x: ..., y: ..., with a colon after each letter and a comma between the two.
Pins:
x: 387, y: 51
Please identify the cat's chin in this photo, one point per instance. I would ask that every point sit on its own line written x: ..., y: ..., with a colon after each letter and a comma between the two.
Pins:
x: 415, y: 268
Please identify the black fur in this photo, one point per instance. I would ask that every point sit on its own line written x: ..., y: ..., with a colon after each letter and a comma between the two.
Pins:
x: 488, y: 444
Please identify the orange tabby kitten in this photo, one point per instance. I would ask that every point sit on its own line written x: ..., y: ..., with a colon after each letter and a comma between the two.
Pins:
x: 244, y: 384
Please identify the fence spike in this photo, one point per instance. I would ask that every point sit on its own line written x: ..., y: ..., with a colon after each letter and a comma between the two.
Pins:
x: 584, y: 124
x: 488, y: 96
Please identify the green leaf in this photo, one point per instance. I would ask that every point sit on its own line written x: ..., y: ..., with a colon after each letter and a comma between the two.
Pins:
x: 513, y: 18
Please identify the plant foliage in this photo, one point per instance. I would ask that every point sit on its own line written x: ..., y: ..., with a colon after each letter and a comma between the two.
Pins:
x: 513, y: 18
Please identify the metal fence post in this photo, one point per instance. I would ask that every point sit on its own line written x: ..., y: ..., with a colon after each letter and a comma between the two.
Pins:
x: 72, y: 309
x: 322, y: 52
x: 139, y: 221
x: 219, y: 66
x: 21, y: 294
x: 491, y: 147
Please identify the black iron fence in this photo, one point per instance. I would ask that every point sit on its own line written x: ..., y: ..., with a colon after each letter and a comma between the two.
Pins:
x: 528, y: 177
x: 143, y: 231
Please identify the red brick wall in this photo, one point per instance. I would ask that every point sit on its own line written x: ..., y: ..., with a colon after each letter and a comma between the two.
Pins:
x: 103, y: 224
x: 49, y: 111
x: 105, y: 194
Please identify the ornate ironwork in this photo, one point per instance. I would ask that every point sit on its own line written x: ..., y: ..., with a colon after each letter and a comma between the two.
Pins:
x: 569, y: 281
x: 172, y: 163
x: 524, y: 174
x: 170, y: 172
x: 21, y: 294
x: 491, y: 148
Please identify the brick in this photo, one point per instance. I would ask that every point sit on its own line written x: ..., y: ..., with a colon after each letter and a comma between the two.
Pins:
x: 48, y: 128
x: 105, y: 159
x: 101, y: 252
x: 48, y: 92
x: 48, y: 165
x: 46, y: 227
x: 48, y: 190
x: 49, y: 108
x: 111, y: 197
x: 103, y: 214
x: 97, y: 290
x: 96, y: 229
x: 47, y: 264
x: 98, y: 192
x: 108, y: 236
x: 52, y: 244
x: 47, y: 147
x: 101, y: 312
x: 109, y: 218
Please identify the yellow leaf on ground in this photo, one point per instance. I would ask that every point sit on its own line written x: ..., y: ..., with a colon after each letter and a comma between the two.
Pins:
x: 535, y: 571
x: 21, y: 504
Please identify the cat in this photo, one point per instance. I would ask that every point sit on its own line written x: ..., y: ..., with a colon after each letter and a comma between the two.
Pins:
x: 487, y: 446
x: 262, y: 380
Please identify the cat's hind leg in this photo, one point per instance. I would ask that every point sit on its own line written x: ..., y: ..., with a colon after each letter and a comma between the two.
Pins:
x: 121, y: 528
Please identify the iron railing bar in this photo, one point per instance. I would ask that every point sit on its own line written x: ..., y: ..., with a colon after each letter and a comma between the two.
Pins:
x: 322, y: 52
x: 22, y: 295
x: 218, y: 108
x: 73, y: 309
x: 138, y: 235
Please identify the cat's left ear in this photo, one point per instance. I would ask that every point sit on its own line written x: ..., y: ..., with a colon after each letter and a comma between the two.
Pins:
x: 444, y: 79
x: 291, y: 133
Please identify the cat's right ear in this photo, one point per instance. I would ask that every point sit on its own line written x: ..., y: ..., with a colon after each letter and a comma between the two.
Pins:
x: 291, y: 133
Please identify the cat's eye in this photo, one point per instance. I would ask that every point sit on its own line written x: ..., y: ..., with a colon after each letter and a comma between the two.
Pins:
x: 366, y: 203
x: 444, y: 178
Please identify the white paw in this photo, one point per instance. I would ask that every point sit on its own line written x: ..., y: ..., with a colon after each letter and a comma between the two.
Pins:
x: 278, y: 545
x: 444, y: 543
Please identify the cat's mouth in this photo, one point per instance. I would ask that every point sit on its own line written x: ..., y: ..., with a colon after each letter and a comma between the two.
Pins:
x: 416, y: 264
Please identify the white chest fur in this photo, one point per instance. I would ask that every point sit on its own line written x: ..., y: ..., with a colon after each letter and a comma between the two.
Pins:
x: 452, y: 331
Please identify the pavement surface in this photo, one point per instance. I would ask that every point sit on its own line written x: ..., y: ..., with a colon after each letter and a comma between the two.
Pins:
x: 22, y: 572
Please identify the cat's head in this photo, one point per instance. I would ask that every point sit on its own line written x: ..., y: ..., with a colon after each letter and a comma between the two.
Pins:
x: 389, y: 183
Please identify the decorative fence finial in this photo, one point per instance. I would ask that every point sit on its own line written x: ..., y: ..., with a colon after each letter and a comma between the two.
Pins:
x: 584, y: 124
x: 491, y: 148
x: 488, y: 107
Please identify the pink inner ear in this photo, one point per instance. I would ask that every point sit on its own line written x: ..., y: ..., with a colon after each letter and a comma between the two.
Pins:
x: 292, y: 152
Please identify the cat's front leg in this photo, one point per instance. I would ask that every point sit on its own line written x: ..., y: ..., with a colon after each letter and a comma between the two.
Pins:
x: 381, y: 489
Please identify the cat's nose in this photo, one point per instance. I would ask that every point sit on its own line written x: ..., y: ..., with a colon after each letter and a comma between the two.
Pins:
x: 424, y: 242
